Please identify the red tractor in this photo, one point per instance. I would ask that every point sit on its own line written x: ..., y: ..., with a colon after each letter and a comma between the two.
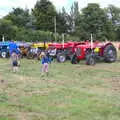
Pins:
x: 92, y: 52
x: 76, y: 51
x: 62, y: 52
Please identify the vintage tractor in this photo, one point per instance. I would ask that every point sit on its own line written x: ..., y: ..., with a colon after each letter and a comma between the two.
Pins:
x: 65, y: 51
x: 24, y: 48
x: 6, y: 48
x: 36, y: 49
x: 55, y: 50
x: 62, y: 52
x: 92, y: 52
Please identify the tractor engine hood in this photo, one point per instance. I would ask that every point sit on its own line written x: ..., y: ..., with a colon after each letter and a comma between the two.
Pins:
x: 58, y: 45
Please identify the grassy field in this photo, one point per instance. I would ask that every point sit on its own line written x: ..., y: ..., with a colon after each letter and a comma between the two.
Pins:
x: 69, y: 92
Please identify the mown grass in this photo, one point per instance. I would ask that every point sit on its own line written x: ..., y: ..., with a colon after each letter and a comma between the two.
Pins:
x: 69, y: 92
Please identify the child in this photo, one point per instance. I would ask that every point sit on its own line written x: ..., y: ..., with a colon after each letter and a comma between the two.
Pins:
x: 14, y: 60
x: 45, y: 63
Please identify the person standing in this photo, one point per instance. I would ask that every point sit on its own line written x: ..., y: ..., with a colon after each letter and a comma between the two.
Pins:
x: 14, y: 61
x: 45, y: 63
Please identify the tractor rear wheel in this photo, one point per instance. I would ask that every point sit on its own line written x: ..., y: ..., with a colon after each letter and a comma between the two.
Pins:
x: 3, y: 54
x: 110, y: 54
x: 61, y: 57
x: 90, y: 60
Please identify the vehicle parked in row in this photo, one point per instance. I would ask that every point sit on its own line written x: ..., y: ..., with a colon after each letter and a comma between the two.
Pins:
x: 93, y: 52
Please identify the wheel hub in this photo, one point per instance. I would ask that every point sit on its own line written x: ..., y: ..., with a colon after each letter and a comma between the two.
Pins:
x: 62, y: 58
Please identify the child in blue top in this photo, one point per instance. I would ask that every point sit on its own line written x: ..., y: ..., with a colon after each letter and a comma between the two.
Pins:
x: 45, y: 62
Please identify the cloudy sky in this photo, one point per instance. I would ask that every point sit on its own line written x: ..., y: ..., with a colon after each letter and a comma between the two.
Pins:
x: 7, y: 5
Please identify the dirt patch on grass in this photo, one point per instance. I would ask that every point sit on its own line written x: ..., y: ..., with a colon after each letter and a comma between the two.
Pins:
x: 44, y: 91
x: 57, y: 82
x: 101, y: 89
x: 115, y: 82
x: 20, y: 77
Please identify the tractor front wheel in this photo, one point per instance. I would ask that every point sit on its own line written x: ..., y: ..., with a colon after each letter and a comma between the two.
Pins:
x: 61, y: 57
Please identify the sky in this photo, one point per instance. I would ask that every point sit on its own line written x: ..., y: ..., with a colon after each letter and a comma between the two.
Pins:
x: 7, y: 5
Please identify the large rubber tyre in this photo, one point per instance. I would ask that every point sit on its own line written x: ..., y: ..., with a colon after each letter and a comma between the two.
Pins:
x: 29, y: 55
x: 74, y: 59
x: 90, y: 60
x: 61, y: 57
x: 3, y: 54
x: 110, y: 54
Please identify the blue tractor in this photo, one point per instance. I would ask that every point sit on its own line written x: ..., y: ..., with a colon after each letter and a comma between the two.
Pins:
x: 6, y: 49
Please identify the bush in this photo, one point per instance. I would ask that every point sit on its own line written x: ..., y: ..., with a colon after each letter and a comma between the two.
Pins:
x: 37, y: 35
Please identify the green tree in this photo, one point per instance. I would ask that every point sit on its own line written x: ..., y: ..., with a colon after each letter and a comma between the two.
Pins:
x: 113, y: 14
x: 61, y: 19
x: 19, y: 17
x: 31, y: 23
x: 93, y: 20
x: 7, y: 29
x: 44, y: 12
x: 74, y: 15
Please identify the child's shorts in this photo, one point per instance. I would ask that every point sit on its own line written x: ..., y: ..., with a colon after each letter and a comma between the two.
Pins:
x: 15, y: 63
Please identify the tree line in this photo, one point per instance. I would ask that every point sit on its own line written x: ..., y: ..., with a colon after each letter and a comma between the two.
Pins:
x: 39, y: 23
